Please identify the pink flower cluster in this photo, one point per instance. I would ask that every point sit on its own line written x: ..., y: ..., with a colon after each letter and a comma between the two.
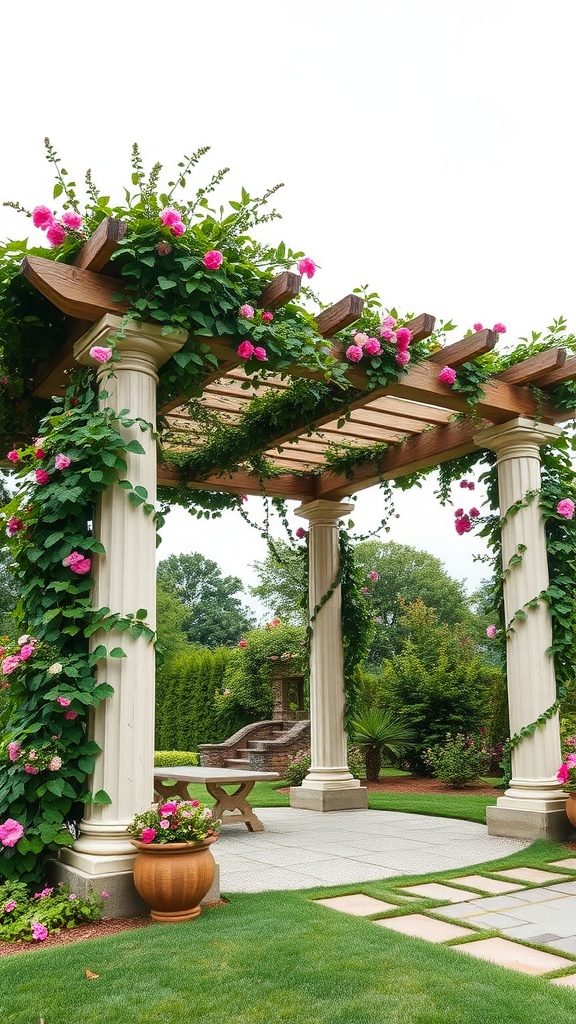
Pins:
x: 300, y: 533
x: 13, y: 525
x: 565, y: 508
x: 248, y: 312
x: 213, y: 260
x: 565, y: 770
x: 172, y: 219
x: 242, y: 643
x: 10, y: 832
x: 498, y: 328
x: 306, y: 267
x: 77, y: 562
x: 44, y: 219
x: 468, y: 483
x: 246, y: 350
x: 12, y: 661
x: 491, y: 632
x: 39, y: 931
x: 101, y: 355
x: 463, y: 521
x: 447, y: 375
x: 373, y: 576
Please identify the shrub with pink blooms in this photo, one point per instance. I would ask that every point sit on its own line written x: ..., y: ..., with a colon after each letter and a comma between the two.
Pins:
x: 174, y: 821
x: 31, y: 916
x: 567, y: 770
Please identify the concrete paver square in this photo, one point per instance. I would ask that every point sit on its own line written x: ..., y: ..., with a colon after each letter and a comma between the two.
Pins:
x: 421, y: 927
x: 529, y: 874
x: 357, y: 904
x: 437, y: 891
x: 569, y: 863
x: 492, y: 885
x: 511, y: 954
x: 568, y: 981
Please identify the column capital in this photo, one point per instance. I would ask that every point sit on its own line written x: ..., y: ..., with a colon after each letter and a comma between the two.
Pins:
x: 522, y: 434
x: 143, y: 346
x: 324, y: 513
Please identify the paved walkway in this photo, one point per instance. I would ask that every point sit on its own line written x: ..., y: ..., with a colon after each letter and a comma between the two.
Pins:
x: 492, y: 916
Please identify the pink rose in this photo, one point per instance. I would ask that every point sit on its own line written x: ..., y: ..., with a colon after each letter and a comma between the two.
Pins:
x: 499, y: 329
x: 62, y: 462
x: 148, y: 835
x: 11, y: 905
x: 447, y: 375
x: 474, y: 513
x: 463, y: 483
x: 13, y: 456
x: 260, y: 354
x: 478, y: 327
x: 31, y: 769
x: 54, y: 764
x: 373, y: 576
x: 403, y: 337
x: 10, y: 832
x: 39, y: 932
x: 72, y: 559
x: 373, y: 347
x: 245, y: 349
x: 71, y: 715
x: 213, y: 259
x: 105, y: 895
x: 55, y: 235
x: 163, y: 248
x: 42, y: 217
x: 14, y: 749
x: 354, y: 353
x: 72, y: 220
x: 459, y: 512
x: 463, y: 525
x: 306, y: 266
x: 471, y: 485
x: 267, y: 317
x: 300, y: 533
x: 13, y: 525
x: 10, y: 663
x: 565, y: 508
x: 26, y: 652
x: 101, y: 355
x: 82, y: 567
x: 403, y: 358
x: 170, y: 216
x: 177, y: 229
x: 388, y: 322
x: 39, y: 453
x: 563, y: 773
x: 246, y: 311
x: 387, y: 333
x: 491, y: 632
x: 242, y: 643
x: 359, y: 338
x: 41, y: 476
x: 64, y: 702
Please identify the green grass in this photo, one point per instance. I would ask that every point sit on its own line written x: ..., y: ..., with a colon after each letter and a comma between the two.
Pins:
x: 276, y: 957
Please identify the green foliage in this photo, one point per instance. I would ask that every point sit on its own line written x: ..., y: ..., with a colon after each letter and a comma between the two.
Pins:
x: 377, y: 733
x: 170, y: 617
x: 215, y: 615
x: 54, y: 908
x: 172, y: 758
x: 186, y: 686
x: 297, y: 768
x: 283, y: 585
x: 459, y: 760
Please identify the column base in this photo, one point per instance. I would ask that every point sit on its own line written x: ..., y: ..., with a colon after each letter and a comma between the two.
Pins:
x: 329, y: 799
x: 518, y: 820
x: 123, y: 900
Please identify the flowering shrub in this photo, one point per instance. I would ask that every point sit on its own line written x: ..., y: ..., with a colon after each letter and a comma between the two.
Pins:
x: 567, y: 770
x: 31, y: 917
x: 297, y: 768
x: 174, y: 821
x: 459, y: 760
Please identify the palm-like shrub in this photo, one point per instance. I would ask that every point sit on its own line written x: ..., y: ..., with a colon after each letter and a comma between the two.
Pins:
x: 378, y: 732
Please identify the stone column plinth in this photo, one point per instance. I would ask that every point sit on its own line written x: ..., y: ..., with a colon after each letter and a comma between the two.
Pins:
x: 328, y: 785
x: 125, y: 581
x: 533, y: 805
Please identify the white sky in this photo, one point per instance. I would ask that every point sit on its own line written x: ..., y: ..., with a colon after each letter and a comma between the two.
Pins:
x: 426, y: 146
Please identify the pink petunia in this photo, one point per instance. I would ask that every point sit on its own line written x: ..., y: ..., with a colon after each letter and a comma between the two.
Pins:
x: 169, y: 808
x: 306, y: 266
x: 148, y: 835
x: 100, y: 354
x: 213, y: 259
x: 373, y: 347
x: 169, y: 216
x: 41, y: 476
x: 246, y: 311
x: 267, y: 317
x: 62, y: 462
x: 13, y: 456
x: 354, y: 353
x: 72, y: 220
x: 245, y: 349
x: 491, y: 632
x: 447, y: 375
x: 565, y: 508
x: 55, y: 235
x: 10, y: 832
x: 42, y: 217
x: 260, y: 354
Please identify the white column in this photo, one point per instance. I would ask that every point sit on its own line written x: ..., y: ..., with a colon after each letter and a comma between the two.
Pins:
x: 533, y: 805
x: 329, y: 784
x: 125, y: 580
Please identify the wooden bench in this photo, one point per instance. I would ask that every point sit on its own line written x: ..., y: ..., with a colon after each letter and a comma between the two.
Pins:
x: 229, y: 807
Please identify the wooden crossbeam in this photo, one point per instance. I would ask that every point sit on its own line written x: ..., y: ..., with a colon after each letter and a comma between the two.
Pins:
x: 466, y: 349
x: 339, y: 316
x: 559, y: 375
x: 534, y: 368
x: 299, y: 488
x: 97, y: 250
x: 281, y: 289
x: 78, y: 293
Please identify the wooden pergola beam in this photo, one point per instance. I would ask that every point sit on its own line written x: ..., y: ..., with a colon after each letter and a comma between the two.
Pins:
x: 97, y: 250
x: 534, y: 369
x: 466, y: 349
x: 286, y: 485
x: 75, y: 292
x: 282, y: 288
x: 559, y: 375
x: 339, y: 316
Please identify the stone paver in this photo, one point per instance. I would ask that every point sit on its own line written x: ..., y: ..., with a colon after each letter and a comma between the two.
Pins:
x: 569, y: 863
x: 421, y: 927
x: 437, y: 891
x: 530, y: 875
x: 499, y: 921
x: 486, y: 903
x: 512, y: 954
x: 492, y: 885
x: 564, y: 887
x: 568, y: 981
x: 358, y: 904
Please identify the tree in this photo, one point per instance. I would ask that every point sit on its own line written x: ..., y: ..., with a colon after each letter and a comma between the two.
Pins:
x: 378, y: 732
x: 171, y: 615
x: 215, y: 615
x: 283, y: 586
x: 406, y: 575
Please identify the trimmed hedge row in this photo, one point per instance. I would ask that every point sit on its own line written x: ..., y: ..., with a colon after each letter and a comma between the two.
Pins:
x: 186, y: 714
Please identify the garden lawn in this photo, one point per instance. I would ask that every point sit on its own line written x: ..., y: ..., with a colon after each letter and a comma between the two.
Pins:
x: 270, y: 957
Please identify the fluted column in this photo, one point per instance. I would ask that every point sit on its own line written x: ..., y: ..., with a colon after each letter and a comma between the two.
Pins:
x: 533, y: 805
x: 124, y: 581
x: 329, y: 784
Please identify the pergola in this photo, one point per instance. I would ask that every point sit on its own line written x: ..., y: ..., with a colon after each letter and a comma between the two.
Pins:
x: 413, y: 416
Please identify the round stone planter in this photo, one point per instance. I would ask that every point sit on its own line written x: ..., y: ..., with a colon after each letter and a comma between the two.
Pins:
x: 172, y: 878
x: 571, y: 809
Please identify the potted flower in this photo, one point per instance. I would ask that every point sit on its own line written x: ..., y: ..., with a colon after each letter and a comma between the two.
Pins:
x: 174, y: 868
x: 567, y: 776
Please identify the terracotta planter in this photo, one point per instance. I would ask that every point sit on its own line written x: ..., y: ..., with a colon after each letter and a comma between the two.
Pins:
x: 173, y: 877
x: 571, y: 809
